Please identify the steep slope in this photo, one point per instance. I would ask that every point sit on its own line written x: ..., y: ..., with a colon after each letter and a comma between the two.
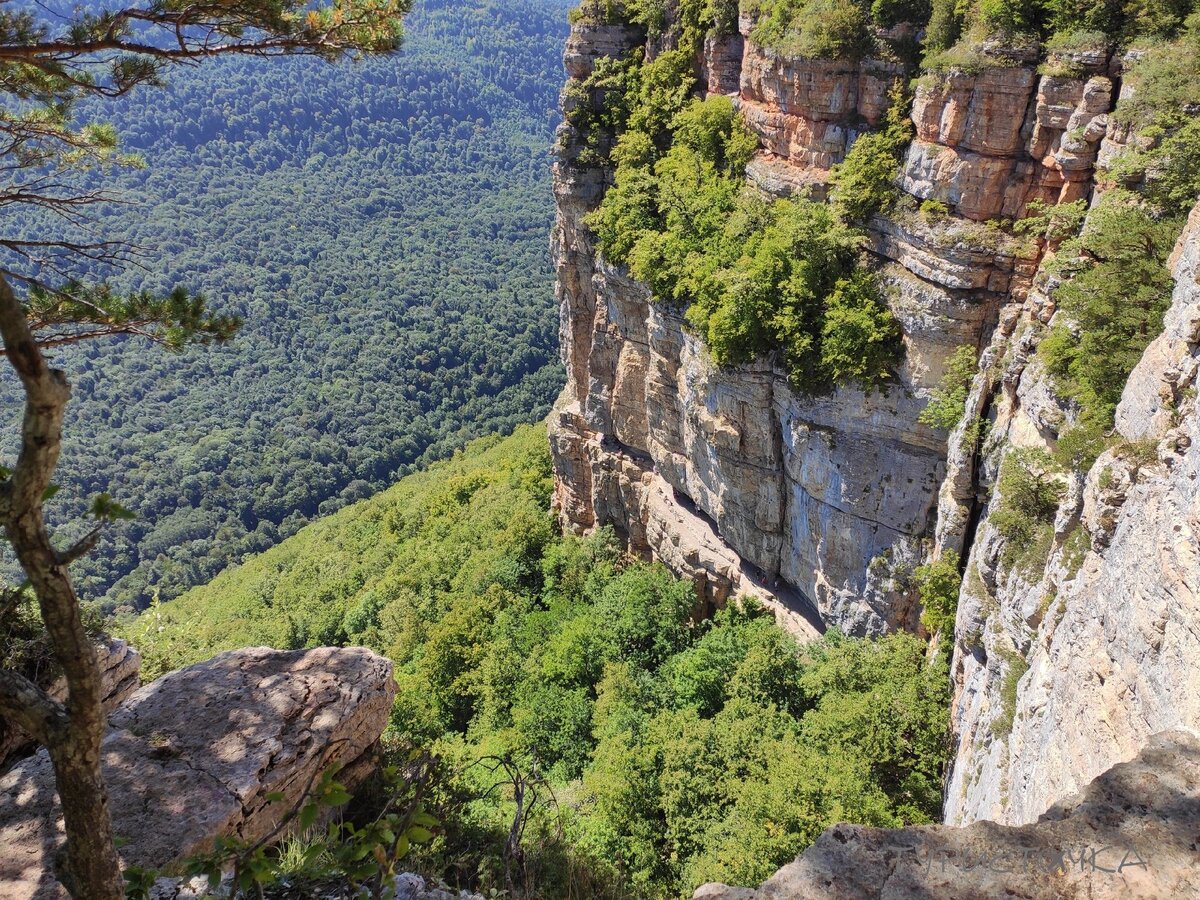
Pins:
x: 380, y: 226
x: 811, y: 501
x: 1065, y: 665
x: 677, y: 751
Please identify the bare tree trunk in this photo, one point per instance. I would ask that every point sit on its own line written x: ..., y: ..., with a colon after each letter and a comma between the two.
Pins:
x: 71, y: 732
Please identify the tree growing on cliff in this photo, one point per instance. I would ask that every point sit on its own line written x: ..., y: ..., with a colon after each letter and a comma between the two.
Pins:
x: 49, y: 62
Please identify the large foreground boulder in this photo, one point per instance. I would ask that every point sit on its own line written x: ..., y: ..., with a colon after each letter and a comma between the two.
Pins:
x: 193, y: 756
x: 1134, y: 832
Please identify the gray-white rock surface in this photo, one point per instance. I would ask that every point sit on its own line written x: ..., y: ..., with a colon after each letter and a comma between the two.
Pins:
x: 1104, y: 639
x: 194, y: 755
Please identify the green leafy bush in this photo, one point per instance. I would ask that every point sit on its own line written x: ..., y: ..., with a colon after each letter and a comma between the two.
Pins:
x: 860, y: 338
x: 1008, y: 17
x: 938, y: 583
x: 1014, y: 670
x: 1030, y: 489
x: 949, y: 400
x: 864, y: 182
x: 1115, y: 292
x: 598, y: 106
x: 1052, y: 223
x: 819, y: 29
x: 599, y: 12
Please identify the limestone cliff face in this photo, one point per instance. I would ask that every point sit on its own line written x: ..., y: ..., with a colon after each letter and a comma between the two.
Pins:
x: 1099, y: 647
x: 815, y: 504
x: 822, y: 505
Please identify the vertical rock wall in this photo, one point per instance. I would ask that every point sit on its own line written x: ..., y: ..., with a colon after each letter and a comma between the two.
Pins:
x: 1063, y: 671
x: 821, y: 505
x: 817, y: 505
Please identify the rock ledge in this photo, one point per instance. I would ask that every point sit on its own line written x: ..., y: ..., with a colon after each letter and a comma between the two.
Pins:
x: 194, y: 755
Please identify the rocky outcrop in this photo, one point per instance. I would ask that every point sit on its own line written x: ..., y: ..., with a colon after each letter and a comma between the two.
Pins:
x: 119, y: 668
x: 224, y: 747
x: 807, y: 112
x: 817, y: 505
x: 990, y: 142
x: 1097, y: 645
x: 1130, y: 834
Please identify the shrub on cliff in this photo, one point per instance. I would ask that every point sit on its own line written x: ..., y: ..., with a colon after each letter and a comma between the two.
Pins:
x: 1030, y: 489
x: 864, y: 182
x: 860, y: 338
x: 1114, y: 296
x: 818, y: 29
x: 938, y: 583
x: 755, y: 275
x: 949, y: 400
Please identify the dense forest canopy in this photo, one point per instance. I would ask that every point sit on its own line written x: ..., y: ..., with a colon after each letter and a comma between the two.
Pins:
x: 680, y: 751
x: 382, y: 229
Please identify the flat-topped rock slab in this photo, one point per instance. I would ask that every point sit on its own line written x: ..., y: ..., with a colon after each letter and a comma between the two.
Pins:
x: 194, y: 755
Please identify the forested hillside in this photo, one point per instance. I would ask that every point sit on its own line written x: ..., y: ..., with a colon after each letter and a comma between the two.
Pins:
x: 678, y: 751
x: 381, y: 227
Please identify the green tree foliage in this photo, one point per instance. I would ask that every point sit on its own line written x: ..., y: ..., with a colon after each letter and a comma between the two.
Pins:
x: 819, y: 29
x: 945, y: 25
x: 949, y: 400
x: 1030, y: 489
x: 860, y: 338
x: 1119, y: 21
x: 1116, y: 291
x: 755, y: 276
x: 864, y: 182
x: 680, y: 750
x: 938, y: 583
x: 379, y: 227
x: 829, y: 29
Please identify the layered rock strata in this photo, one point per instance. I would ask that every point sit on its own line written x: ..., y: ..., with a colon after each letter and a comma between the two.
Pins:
x: 817, y: 505
x: 221, y: 748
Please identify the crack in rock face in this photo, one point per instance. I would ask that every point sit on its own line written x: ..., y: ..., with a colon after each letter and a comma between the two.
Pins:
x: 193, y: 756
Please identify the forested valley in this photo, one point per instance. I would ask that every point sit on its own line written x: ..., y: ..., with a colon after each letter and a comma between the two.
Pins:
x: 381, y: 227
x: 657, y: 750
